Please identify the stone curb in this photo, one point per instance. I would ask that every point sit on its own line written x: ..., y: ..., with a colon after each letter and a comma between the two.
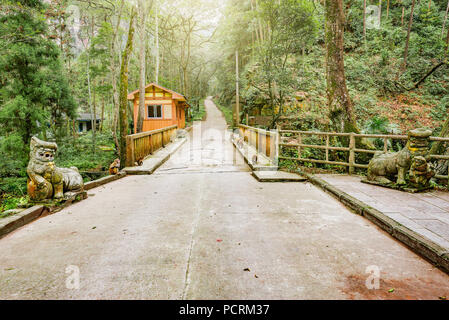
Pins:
x: 11, y: 223
x: 96, y: 183
x: 426, y: 248
x: 274, y: 178
x: 20, y: 219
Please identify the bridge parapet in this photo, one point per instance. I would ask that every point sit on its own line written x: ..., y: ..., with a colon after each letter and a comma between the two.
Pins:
x: 298, y: 140
x: 141, y: 145
x: 264, y: 141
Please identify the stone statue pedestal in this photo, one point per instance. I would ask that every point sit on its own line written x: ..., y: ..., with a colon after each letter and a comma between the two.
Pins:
x: 395, y: 186
x: 55, y: 205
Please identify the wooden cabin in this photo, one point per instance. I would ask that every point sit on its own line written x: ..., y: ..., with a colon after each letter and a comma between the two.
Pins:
x: 84, y: 122
x: 163, y: 108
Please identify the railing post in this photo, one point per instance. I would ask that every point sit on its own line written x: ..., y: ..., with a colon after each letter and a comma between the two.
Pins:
x: 277, y: 145
x: 257, y: 140
x: 162, y: 139
x: 327, y: 147
x: 351, y: 152
x: 267, y: 144
x: 129, y: 152
x: 299, y: 147
x: 151, y: 143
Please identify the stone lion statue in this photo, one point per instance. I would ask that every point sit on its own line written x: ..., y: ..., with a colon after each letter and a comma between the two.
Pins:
x: 412, y: 160
x: 45, y: 180
x: 383, y: 167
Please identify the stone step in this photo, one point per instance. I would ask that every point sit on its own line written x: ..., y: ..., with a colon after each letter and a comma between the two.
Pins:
x: 277, y: 176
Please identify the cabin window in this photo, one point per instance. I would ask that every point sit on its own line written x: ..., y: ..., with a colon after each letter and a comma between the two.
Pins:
x: 155, y: 112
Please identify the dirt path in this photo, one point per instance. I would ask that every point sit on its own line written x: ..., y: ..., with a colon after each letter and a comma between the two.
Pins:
x: 202, y: 228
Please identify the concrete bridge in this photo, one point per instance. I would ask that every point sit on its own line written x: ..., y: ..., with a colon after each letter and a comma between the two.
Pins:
x: 201, y: 227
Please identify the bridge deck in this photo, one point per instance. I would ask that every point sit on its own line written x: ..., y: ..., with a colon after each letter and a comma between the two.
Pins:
x: 425, y: 213
x: 192, y: 229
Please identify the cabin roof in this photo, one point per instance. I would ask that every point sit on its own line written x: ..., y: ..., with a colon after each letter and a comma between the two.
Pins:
x: 175, y: 95
x: 87, y: 117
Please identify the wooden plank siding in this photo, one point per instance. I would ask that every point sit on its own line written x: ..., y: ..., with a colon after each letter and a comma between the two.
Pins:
x: 157, y: 95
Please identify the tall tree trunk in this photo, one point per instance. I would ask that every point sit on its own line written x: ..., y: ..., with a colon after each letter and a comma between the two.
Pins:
x: 102, y: 114
x: 89, y: 88
x: 261, y: 35
x: 402, y: 16
x: 141, y: 115
x: 388, y: 8
x: 115, y: 91
x: 445, y: 20
x: 437, y: 148
x: 447, y: 42
x: 123, y: 111
x: 94, y: 104
x: 407, y: 40
x: 436, y: 145
x: 339, y: 103
x: 364, y: 20
x: 157, y: 42
x: 380, y: 12
x: 256, y: 29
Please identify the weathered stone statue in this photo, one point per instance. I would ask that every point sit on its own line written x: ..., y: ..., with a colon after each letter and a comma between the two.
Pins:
x: 45, y: 180
x: 383, y: 167
x: 410, y: 164
x: 181, y: 133
x: 420, y: 173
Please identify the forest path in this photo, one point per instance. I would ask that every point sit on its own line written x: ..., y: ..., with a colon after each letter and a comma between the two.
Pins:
x: 202, y: 228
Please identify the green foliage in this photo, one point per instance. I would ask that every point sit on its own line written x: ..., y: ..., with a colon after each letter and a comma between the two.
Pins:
x: 34, y: 93
x: 9, y: 202
x: 380, y: 125
x: 199, y: 111
x: 227, y: 113
x: 78, y: 152
x: 272, y: 62
x: 373, y: 67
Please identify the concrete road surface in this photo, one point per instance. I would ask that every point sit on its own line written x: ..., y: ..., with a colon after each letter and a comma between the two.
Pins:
x: 202, y: 228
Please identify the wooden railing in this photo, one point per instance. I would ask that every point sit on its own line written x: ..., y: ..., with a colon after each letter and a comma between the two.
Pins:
x: 140, y: 145
x: 352, y: 150
x: 263, y: 141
